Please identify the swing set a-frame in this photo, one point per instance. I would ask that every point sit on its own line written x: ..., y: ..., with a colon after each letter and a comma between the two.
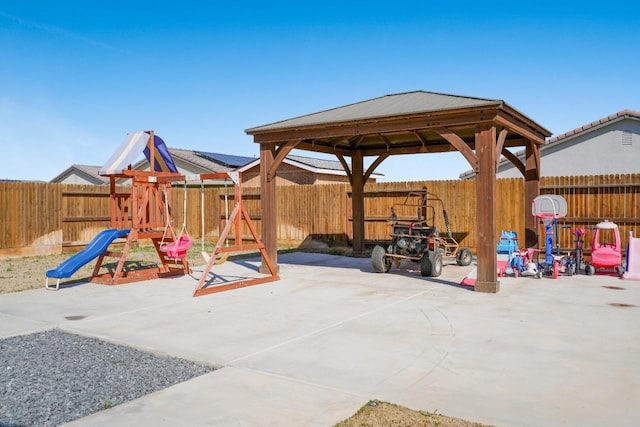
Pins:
x: 145, y: 213
x: 234, y: 222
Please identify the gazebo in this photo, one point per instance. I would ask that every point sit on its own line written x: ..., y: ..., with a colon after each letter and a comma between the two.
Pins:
x: 410, y: 123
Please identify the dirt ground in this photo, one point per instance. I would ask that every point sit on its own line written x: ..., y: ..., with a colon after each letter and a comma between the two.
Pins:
x: 19, y: 274
x: 382, y: 414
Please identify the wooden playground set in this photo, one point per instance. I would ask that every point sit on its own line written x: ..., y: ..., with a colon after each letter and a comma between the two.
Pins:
x: 145, y: 213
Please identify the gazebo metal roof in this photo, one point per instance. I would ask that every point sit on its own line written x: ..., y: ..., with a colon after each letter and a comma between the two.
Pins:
x: 401, y: 123
x: 383, y: 106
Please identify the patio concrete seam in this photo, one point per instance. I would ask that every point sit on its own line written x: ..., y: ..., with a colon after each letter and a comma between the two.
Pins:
x: 296, y: 380
x: 324, y: 328
x: 136, y: 310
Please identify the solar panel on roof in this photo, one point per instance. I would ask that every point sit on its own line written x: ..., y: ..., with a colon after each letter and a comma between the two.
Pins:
x: 226, y: 159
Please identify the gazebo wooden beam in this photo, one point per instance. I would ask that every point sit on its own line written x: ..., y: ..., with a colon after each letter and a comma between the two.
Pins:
x: 420, y: 138
x: 382, y: 125
x: 460, y: 145
x: 356, y: 144
x: 515, y: 142
x: 405, y: 149
x: 336, y: 142
x: 513, y: 159
x: 385, y: 140
x: 520, y: 128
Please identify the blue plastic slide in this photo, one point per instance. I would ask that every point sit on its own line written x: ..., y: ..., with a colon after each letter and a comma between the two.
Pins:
x: 94, y: 249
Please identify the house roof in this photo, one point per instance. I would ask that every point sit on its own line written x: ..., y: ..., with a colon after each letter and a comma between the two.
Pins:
x: 567, y: 136
x: 197, y: 158
x: 90, y: 172
x: 389, y: 105
x: 214, y: 162
x: 620, y: 115
x: 211, y: 162
x: 315, y: 165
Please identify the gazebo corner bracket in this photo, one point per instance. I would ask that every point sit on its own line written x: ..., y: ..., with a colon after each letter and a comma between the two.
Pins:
x: 280, y: 154
x: 460, y: 145
x: 514, y: 160
x: 502, y: 137
x: 374, y: 165
x: 346, y: 167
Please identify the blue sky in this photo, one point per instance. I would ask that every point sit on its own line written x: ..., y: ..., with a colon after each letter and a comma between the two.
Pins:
x: 77, y: 76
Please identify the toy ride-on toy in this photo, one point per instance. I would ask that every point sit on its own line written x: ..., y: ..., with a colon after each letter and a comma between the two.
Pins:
x: 418, y: 240
x: 521, y: 263
x: 575, y: 261
x: 605, y: 255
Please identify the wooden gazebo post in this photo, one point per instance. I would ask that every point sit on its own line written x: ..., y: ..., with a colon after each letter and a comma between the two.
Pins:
x: 357, y: 187
x: 531, y: 189
x: 487, y: 278
x: 268, y: 205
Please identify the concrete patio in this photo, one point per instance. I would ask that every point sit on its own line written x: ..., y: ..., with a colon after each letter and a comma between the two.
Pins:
x: 312, y: 348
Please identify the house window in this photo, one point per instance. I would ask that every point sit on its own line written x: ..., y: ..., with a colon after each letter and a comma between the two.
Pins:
x: 626, y: 137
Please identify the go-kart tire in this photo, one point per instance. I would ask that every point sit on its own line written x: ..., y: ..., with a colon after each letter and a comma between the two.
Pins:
x: 620, y: 270
x: 464, y: 257
x: 379, y: 261
x: 431, y: 264
x: 589, y: 270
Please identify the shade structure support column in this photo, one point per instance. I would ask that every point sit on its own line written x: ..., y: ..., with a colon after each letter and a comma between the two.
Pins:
x: 487, y: 277
x: 268, y: 206
x: 531, y: 190
x: 357, y: 187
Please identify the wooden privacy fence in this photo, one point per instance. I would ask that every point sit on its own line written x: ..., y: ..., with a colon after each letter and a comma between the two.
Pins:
x: 590, y: 199
x: 30, y: 218
x: 39, y: 218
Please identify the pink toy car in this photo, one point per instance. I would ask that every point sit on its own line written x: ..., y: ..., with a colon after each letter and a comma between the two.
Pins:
x: 606, y: 255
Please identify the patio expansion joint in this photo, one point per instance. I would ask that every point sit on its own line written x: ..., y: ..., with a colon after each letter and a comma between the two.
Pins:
x: 325, y: 328
x: 295, y: 380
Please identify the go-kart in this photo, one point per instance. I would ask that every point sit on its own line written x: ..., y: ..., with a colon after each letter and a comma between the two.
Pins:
x: 418, y: 240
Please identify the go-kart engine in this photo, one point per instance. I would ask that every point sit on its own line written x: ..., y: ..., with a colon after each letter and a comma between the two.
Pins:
x: 410, y: 247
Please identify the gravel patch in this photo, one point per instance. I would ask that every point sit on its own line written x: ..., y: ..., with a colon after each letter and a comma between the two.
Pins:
x: 53, y: 377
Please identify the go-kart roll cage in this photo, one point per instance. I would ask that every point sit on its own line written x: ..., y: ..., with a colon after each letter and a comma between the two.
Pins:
x: 425, y: 223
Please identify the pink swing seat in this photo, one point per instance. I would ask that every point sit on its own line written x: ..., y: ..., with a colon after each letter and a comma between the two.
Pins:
x: 178, y: 248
